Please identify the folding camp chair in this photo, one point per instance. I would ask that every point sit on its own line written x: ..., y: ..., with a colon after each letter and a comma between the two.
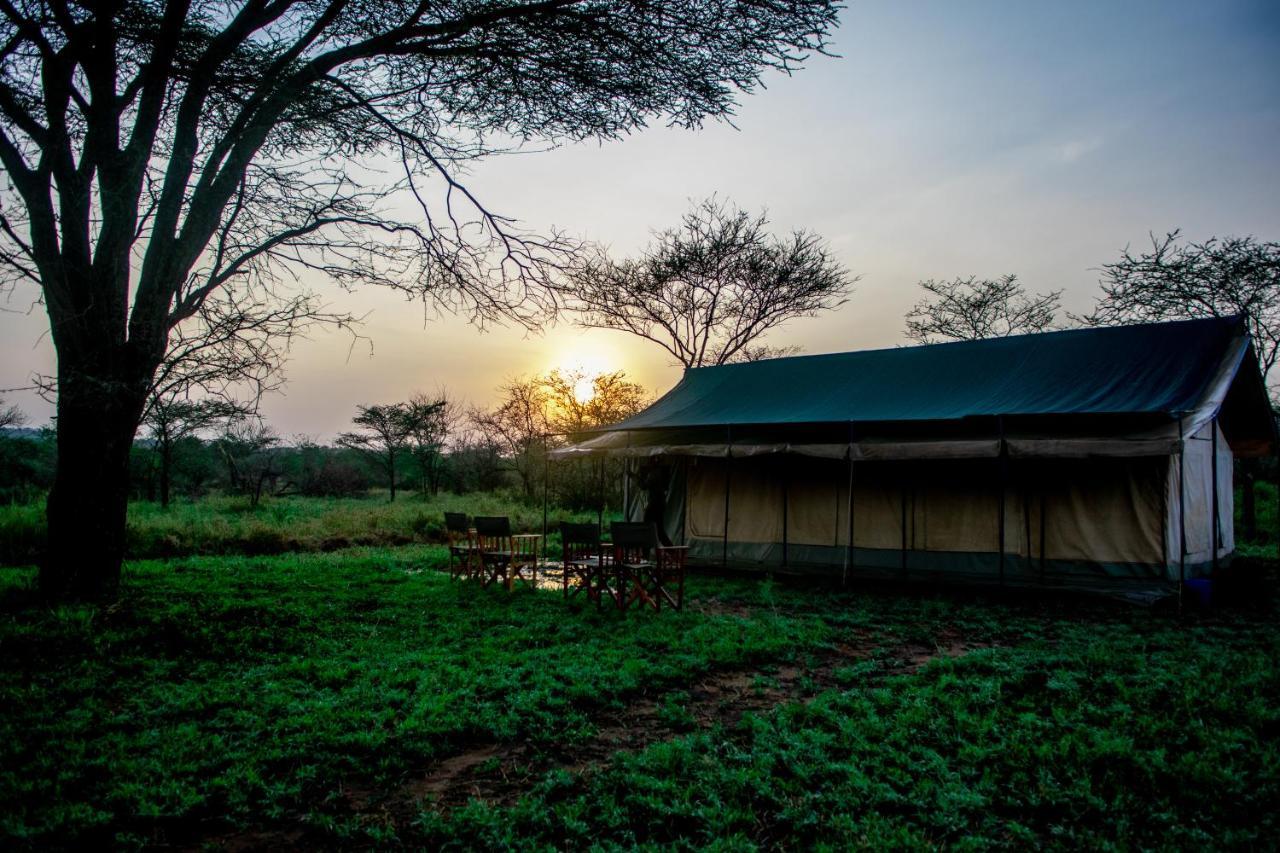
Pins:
x: 649, y: 572
x: 584, y: 561
x: 503, y: 556
x: 462, y: 550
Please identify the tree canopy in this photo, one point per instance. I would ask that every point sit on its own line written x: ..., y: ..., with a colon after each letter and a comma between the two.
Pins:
x: 175, y: 172
x: 966, y: 309
x: 1181, y: 279
x: 709, y: 290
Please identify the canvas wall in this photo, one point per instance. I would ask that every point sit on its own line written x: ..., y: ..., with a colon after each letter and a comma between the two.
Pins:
x: 1063, y: 519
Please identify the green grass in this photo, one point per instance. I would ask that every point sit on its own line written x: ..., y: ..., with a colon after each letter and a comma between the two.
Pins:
x: 241, y: 693
x: 247, y: 688
x: 229, y: 525
x: 1264, y: 546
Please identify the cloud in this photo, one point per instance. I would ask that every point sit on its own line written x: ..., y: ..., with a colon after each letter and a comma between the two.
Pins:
x: 1077, y: 149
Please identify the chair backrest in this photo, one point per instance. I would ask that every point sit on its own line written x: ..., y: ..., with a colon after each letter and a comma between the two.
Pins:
x: 634, y: 541
x: 456, y: 522
x: 493, y: 525
x: 579, y: 534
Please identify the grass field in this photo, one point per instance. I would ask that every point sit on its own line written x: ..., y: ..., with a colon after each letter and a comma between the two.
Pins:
x: 361, y: 698
x: 229, y: 525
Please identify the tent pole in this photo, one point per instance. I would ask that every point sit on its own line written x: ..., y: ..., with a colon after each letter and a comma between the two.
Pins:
x: 1042, y: 534
x: 1004, y: 476
x: 626, y: 489
x: 904, y: 531
x: 600, y: 509
x: 684, y: 510
x: 1026, y: 515
x: 786, y: 484
x: 1213, y: 467
x: 1182, y: 512
x: 546, y: 486
x: 728, y: 471
x: 849, y: 554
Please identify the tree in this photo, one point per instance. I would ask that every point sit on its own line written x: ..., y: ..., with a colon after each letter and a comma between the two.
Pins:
x: 165, y: 162
x: 383, y: 437
x: 611, y: 398
x: 969, y: 309
x: 763, y: 352
x: 475, y: 463
x: 1220, y: 277
x: 248, y: 449
x: 707, y: 291
x: 518, y: 427
x: 169, y: 420
x: 578, y: 403
x: 430, y: 420
x: 11, y: 416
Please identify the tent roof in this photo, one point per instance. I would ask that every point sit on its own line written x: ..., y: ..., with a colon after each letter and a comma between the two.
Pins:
x: 1162, y: 369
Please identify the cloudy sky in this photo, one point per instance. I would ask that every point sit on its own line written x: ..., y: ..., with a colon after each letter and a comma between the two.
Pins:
x: 974, y: 138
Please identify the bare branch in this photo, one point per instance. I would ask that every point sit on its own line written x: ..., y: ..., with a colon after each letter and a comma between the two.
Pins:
x: 1219, y: 277
x: 967, y: 309
x: 709, y: 290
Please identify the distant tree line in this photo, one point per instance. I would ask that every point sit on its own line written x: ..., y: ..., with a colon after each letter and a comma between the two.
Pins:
x: 426, y: 444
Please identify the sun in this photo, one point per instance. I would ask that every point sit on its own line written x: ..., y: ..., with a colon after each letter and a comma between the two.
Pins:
x: 586, y: 363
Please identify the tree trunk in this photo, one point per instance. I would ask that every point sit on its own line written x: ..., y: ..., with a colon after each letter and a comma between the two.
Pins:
x: 391, y: 472
x: 1249, y: 502
x: 166, y: 463
x: 88, y: 504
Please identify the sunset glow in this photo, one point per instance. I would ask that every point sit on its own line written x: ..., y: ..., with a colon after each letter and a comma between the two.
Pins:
x: 587, y: 363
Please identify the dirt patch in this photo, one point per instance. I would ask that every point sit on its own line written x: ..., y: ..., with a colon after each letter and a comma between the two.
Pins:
x: 716, y: 607
x: 501, y: 773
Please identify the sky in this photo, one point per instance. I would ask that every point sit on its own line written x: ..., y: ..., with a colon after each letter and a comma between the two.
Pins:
x: 947, y: 139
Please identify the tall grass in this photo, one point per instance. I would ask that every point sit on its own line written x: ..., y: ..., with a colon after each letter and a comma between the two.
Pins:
x: 229, y: 525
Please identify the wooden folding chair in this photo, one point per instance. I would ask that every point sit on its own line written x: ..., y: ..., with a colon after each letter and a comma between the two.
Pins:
x: 649, y: 572
x: 584, y: 560
x: 493, y: 547
x: 462, y: 550
x: 504, y: 557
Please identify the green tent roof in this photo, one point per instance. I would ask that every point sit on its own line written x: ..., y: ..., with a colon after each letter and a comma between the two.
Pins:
x: 1153, y: 369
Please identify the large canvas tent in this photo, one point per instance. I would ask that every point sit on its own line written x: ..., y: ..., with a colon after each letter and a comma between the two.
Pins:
x: 1082, y: 456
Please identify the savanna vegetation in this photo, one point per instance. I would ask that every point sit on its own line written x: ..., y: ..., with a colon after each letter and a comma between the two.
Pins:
x: 361, y: 697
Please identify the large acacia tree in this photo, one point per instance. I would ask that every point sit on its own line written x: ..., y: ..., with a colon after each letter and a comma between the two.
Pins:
x: 165, y: 162
x: 709, y: 290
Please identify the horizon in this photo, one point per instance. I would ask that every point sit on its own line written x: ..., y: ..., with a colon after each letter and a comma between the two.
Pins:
x: 1000, y: 138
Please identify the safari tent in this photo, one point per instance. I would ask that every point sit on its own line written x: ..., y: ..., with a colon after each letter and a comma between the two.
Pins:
x: 1090, y: 456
